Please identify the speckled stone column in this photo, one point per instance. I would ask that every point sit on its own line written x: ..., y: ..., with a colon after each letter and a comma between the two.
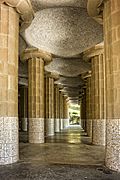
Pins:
x: 9, y: 23
x: 24, y: 109
x: 61, y: 111
x: 56, y: 108
x: 36, y: 60
x: 112, y: 62
x: 49, y: 101
x: 83, y: 111
x: 65, y: 113
x: 98, y: 124
x: 88, y: 107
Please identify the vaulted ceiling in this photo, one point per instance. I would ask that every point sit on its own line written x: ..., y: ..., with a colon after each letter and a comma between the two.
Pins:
x: 64, y: 29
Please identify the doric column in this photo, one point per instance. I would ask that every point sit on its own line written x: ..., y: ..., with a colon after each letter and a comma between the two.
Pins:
x: 36, y: 60
x: 56, y: 107
x: 65, y: 113
x: 97, y: 85
x: 61, y: 110
x: 9, y: 84
x: 111, y: 23
x: 9, y: 35
x: 49, y: 101
x: 24, y: 107
x: 88, y: 106
x: 83, y: 110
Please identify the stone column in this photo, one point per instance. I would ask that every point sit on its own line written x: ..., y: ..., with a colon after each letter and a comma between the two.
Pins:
x: 88, y: 106
x: 36, y: 60
x: 8, y: 85
x: 111, y: 23
x: 56, y: 107
x: 24, y: 109
x: 97, y: 83
x: 65, y: 113
x: 61, y: 111
x: 83, y: 111
x: 49, y: 94
x: 9, y: 34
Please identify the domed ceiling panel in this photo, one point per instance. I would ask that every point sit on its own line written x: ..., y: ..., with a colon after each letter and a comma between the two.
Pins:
x: 70, y: 81
x: 68, y: 67
x: 64, y: 32
x: 43, y: 4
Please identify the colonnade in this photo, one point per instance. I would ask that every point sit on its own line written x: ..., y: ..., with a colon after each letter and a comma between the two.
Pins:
x: 104, y: 88
x: 100, y: 102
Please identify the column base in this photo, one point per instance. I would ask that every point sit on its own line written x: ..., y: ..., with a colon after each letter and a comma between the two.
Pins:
x: 57, y: 125
x: 112, y: 159
x: 24, y: 124
x: 50, y: 127
x: 65, y: 123
x: 9, y: 151
x: 99, y: 130
x: 89, y: 127
x: 36, y: 130
x: 61, y: 124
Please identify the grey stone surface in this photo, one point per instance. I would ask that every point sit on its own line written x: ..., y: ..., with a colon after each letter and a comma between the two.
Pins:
x: 113, y: 144
x: 71, y: 92
x: 70, y: 81
x: 43, y: 4
x: 64, y: 31
x: 61, y: 124
x: 36, y: 130
x: 69, y: 67
x: 99, y: 131
x: 8, y: 140
x: 35, y: 171
x: 50, y: 126
x: 57, y: 125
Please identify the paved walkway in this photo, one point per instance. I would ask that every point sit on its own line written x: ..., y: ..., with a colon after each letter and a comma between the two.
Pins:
x: 71, y: 146
x: 68, y: 155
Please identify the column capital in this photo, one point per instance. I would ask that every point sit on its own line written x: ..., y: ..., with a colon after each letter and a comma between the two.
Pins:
x: 94, y: 51
x: 53, y: 75
x: 31, y: 53
x: 24, y: 9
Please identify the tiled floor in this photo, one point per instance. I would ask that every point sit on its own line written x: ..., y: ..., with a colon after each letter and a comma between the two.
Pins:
x: 68, y: 155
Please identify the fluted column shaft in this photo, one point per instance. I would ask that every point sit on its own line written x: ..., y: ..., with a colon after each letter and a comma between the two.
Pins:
x: 88, y: 107
x: 56, y: 107
x: 9, y: 24
x: 36, y: 100
x: 49, y: 105
x: 36, y: 59
x: 61, y: 110
x: 111, y: 23
x: 98, y: 137
x: 83, y: 111
x: 65, y: 113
